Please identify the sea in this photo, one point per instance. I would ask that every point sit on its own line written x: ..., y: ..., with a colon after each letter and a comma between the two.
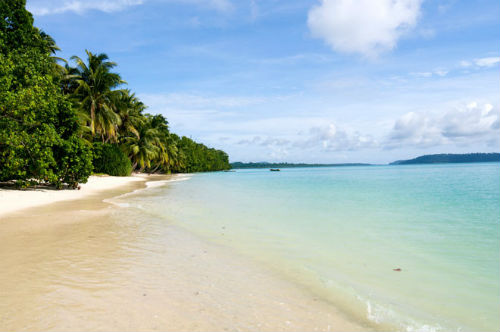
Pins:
x: 402, y: 248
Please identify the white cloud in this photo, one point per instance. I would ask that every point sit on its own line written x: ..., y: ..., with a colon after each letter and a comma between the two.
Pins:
x: 437, y: 72
x: 45, y: 7
x: 332, y: 137
x: 480, y: 62
x: 223, y: 5
x: 422, y: 74
x: 487, y: 62
x: 441, y: 72
x: 470, y: 122
x: 267, y: 142
x: 414, y: 129
x: 465, y: 63
x: 195, y: 101
x: 466, y: 125
x: 48, y: 7
x: 219, y: 5
x: 363, y: 26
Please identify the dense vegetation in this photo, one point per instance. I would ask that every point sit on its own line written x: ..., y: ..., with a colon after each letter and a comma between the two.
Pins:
x: 52, y: 113
x: 288, y: 165
x: 110, y: 159
x: 451, y: 158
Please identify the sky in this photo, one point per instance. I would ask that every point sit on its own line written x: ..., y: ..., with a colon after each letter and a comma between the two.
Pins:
x: 317, y: 81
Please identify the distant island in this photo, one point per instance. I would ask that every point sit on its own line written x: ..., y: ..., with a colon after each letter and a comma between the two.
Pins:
x: 445, y: 158
x: 240, y: 165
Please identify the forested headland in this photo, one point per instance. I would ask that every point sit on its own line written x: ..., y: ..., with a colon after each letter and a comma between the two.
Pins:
x: 61, y: 120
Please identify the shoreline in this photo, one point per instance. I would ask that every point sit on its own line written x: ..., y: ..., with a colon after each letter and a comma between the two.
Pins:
x: 123, y: 284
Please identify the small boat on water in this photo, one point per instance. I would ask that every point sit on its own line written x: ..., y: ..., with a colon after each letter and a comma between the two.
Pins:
x: 274, y: 169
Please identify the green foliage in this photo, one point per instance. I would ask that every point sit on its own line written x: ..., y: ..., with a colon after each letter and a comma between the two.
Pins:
x: 74, y: 161
x: 94, y: 83
x: 38, y: 128
x: 199, y: 158
x: 109, y: 159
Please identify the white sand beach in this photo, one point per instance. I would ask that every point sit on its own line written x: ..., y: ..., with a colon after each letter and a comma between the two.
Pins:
x: 12, y: 200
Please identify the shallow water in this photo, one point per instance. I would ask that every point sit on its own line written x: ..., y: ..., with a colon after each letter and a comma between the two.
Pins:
x: 341, y: 232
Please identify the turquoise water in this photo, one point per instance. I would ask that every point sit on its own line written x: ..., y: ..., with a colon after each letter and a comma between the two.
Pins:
x: 340, y: 232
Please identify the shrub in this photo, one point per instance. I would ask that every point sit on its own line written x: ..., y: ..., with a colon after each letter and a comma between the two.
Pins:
x: 75, y: 163
x: 109, y: 159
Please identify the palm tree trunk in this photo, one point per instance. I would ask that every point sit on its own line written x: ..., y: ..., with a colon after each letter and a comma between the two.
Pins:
x: 92, y: 118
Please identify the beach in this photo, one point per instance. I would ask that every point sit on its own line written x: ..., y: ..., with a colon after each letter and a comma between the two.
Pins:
x: 12, y: 200
x: 382, y: 248
x: 80, y: 260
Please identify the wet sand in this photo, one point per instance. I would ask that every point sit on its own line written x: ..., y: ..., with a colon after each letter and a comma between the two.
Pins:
x: 87, y: 265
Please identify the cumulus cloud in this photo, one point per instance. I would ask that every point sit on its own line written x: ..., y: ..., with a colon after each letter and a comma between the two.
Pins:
x: 470, y: 124
x: 363, y: 26
x: 414, y: 129
x: 329, y: 137
x: 332, y: 137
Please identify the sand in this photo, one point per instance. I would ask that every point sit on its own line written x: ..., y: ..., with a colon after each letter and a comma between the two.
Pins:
x: 88, y: 265
x: 15, y: 200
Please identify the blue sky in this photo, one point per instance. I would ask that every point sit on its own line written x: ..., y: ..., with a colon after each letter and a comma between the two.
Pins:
x: 304, y: 80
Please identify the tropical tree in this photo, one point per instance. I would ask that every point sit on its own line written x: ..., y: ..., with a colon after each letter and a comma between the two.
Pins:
x: 97, y: 94
x: 38, y: 127
x: 143, y: 148
x: 130, y: 110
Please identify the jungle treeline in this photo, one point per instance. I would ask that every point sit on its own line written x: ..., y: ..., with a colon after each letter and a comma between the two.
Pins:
x: 61, y: 120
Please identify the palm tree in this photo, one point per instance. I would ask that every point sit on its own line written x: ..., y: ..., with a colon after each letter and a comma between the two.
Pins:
x: 50, y: 43
x: 52, y: 48
x: 130, y: 109
x: 167, y: 148
x: 178, y: 160
x: 172, y: 153
x: 69, y: 82
x: 142, y: 149
x: 96, y: 84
